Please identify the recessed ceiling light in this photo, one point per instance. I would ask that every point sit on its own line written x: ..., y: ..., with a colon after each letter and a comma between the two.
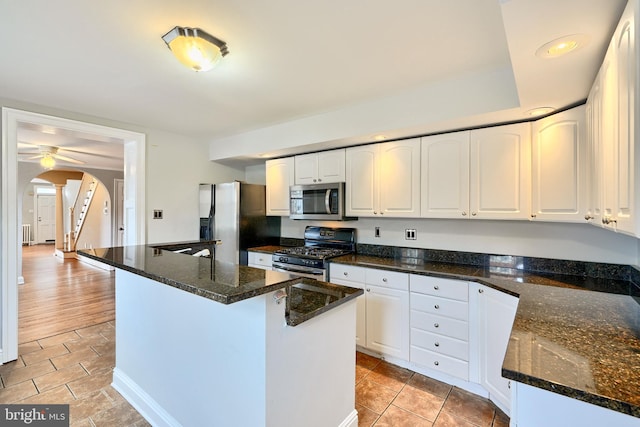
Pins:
x: 379, y: 137
x: 540, y: 111
x: 561, y: 46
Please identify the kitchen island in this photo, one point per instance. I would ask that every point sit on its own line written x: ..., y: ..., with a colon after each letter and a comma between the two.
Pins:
x: 203, y: 342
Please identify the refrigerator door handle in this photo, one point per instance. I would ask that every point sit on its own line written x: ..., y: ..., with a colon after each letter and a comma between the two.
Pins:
x: 327, y: 201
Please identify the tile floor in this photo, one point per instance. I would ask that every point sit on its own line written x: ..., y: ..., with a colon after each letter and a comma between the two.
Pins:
x: 76, y: 368
x: 387, y: 395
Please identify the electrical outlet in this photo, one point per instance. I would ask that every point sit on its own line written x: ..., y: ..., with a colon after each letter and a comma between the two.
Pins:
x: 410, y: 234
x: 377, y: 232
x: 157, y: 214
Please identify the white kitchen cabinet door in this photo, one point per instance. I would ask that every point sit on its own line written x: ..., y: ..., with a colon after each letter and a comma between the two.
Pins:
x: 445, y: 176
x: 259, y: 260
x: 279, y: 177
x: 354, y: 277
x: 400, y: 178
x: 362, y: 196
x: 388, y: 321
x: 559, y: 161
x: 496, y: 312
x: 500, y: 172
x: 331, y: 166
x: 306, y: 169
x: 595, y: 162
x: 384, y: 179
x: 320, y: 168
x: 609, y: 134
x: 625, y: 152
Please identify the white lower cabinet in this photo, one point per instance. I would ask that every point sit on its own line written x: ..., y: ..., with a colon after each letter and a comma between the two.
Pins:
x: 259, y: 260
x: 495, y: 314
x: 383, y: 312
x: 439, y: 325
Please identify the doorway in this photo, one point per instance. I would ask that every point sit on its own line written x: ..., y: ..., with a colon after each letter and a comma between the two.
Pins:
x: 10, y: 253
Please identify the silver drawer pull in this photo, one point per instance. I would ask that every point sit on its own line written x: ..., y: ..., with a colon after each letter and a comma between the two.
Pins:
x: 436, y: 306
x: 436, y: 287
x: 384, y: 280
x: 436, y: 325
x: 345, y: 273
x: 436, y: 363
x: 437, y: 344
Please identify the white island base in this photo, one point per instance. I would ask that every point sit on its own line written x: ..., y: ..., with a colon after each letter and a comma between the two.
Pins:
x: 185, y: 360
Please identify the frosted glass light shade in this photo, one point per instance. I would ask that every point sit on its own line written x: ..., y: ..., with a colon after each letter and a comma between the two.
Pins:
x: 47, y: 161
x: 195, y: 48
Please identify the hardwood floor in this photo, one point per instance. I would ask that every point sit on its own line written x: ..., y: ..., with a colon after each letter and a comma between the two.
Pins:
x: 61, y: 296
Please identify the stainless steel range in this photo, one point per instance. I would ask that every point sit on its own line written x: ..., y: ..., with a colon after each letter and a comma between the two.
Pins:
x: 320, y: 244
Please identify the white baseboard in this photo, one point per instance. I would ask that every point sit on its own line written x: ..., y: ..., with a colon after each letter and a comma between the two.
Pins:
x: 139, y: 399
x: 93, y: 262
x: 20, y: 280
x: 351, y: 420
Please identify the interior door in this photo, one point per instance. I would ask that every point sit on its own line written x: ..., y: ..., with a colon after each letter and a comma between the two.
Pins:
x: 46, y: 218
x: 119, y: 212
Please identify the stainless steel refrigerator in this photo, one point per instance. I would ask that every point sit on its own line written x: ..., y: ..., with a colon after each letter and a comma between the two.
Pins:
x: 235, y: 214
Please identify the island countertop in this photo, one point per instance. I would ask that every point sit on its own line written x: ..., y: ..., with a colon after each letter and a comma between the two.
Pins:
x: 225, y: 282
x: 594, y: 322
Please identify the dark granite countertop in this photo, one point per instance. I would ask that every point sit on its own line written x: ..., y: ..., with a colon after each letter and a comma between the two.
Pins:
x: 225, y: 282
x: 573, y: 335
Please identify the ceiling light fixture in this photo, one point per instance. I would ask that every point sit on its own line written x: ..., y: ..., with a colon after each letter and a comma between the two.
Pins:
x: 561, y: 46
x: 540, y: 111
x: 47, y: 161
x: 195, y: 48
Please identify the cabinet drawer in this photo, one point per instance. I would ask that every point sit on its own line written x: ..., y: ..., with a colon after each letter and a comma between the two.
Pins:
x: 440, y: 306
x: 445, y: 288
x: 259, y: 258
x: 346, y: 272
x: 440, y: 325
x: 387, y: 279
x: 440, y: 344
x: 440, y: 362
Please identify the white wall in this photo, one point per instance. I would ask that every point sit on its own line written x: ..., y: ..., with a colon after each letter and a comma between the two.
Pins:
x: 175, y: 166
x: 580, y: 242
x: 96, y: 232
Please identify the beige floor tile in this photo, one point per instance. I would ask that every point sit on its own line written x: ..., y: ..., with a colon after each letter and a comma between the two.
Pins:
x: 59, y: 377
x: 44, y: 354
x: 28, y: 347
x: 21, y: 374
x: 98, y: 364
x: 374, y: 396
x: 473, y: 408
x: 10, y: 366
x: 17, y: 392
x: 366, y: 417
x: 361, y: 373
x: 57, y: 395
x: 419, y: 402
x: 96, y: 330
x: 122, y: 414
x: 391, y: 376
x: 105, y: 348
x: 58, y: 339
x: 82, y: 343
x: 435, y: 387
x: 445, y: 419
x: 397, y: 417
x: 90, y: 404
x: 366, y: 361
x: 82, y: 423
x: 74, y: 358
x: 91, y: 384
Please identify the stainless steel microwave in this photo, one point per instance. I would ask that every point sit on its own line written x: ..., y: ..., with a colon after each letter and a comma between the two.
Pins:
x: 318, y: 202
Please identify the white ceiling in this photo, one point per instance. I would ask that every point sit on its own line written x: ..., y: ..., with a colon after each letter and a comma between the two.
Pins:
x: 289, y: 59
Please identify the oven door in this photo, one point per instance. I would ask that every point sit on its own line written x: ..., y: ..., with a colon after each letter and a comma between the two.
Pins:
x: 299, y: 270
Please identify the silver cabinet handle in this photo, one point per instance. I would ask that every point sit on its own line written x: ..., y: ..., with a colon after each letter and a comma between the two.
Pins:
x: 436, y: 325
x: 588, y: 217
x: 436, y: 287
x: 437, y: 344
x: 437, y: 307
x: 533, y: 215
x: 436, y: 363
x: 368, y: 289
x: 345, y: 273
x: 481, y: 291
x: 464, y: 213
x: 384, y: 279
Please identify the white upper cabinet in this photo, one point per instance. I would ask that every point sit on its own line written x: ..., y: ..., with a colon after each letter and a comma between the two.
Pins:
x: 500, y: 172
x: 445, y: 175
x: 559, y: 161
x: 279, y: 177
x: 384, y: 179
x: 318, y: 168
x: 613, y: 191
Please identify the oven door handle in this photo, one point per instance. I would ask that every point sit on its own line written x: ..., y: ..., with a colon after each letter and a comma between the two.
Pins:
x: 308, y: 273
x: 327, y: 201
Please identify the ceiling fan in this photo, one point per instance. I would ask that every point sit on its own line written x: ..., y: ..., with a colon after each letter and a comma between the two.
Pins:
x: 48, y: 155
